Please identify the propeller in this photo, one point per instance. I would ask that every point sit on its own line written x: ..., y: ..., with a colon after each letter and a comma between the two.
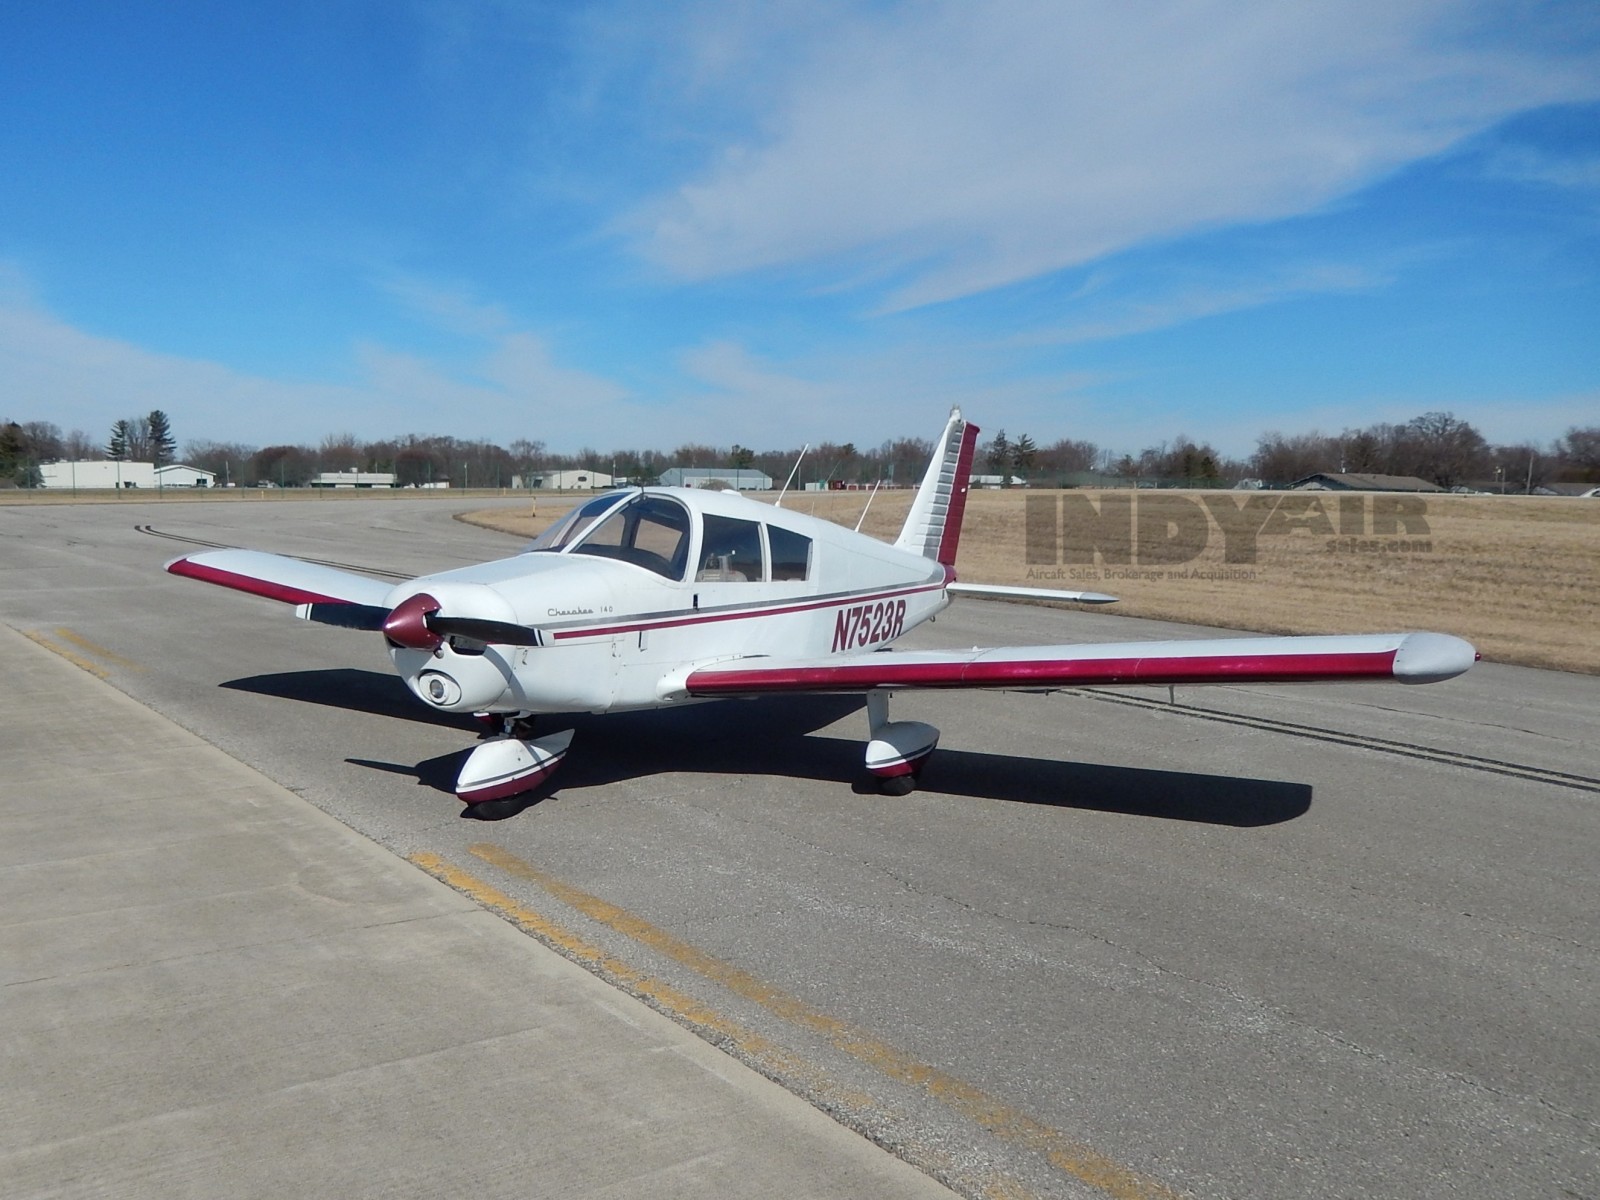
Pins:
x: 417, y: 623
x: 499, y: 633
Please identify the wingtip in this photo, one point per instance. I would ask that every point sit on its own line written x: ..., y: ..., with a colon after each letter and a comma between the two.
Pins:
x: 1431, y: 657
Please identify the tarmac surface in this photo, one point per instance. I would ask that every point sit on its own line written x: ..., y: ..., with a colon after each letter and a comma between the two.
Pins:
x: 1245, y: 941
x: 214, y: 989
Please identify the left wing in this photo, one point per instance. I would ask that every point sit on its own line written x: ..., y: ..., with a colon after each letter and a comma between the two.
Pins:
x: 321, y: 593
x: 1406, y: 657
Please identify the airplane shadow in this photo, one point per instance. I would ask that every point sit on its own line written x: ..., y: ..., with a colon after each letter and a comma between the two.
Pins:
x: 375, y: 692
x: 778, y: 737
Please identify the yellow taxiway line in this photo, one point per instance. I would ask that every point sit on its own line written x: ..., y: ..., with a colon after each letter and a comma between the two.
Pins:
x: 84, y: 654
x: 71, y: 656
x: 1062, y: 1152
x: 100, y: 652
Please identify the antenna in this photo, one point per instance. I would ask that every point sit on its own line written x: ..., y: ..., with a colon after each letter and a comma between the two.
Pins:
x: 778, y: 503
x: 868, y: 505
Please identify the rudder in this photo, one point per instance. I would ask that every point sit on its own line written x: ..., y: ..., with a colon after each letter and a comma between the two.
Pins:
x: 933, y: 526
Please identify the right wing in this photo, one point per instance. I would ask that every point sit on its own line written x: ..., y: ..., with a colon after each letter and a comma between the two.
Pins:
x: 1405, y: 657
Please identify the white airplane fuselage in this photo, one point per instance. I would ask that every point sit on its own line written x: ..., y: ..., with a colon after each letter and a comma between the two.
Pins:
x: 620, y: 636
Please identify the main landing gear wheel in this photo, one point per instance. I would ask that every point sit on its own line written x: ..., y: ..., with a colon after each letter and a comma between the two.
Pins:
x: 898, y: 785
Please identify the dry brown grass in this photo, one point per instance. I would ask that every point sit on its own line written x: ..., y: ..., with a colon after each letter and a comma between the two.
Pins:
x: 1518, y: 576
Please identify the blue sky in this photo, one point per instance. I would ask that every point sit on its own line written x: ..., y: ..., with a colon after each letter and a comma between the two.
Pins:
x: 641, y: 224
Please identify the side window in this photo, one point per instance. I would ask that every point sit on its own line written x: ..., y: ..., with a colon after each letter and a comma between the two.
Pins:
x: 731, y: 552
x: 791, y: 554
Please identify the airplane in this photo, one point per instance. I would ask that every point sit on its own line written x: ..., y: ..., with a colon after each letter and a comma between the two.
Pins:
x: 652, y: 597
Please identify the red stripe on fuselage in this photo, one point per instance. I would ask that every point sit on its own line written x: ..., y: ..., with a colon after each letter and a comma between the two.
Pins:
x: 248, y: 583
x: 693, y: 617
x: 885, y: 673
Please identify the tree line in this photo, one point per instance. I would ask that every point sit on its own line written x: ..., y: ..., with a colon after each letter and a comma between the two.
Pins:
x: 1436, y: 446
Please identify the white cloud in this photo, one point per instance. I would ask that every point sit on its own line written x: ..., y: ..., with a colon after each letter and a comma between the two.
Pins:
x: 953, y: 148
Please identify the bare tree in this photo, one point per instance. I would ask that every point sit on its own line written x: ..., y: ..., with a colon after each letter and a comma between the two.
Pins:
x: 1067, y: 457
x: 1579, y: 452
x: 1284, y: 458
x: 341, y: 452
x: 1446, y: 449
x: 228, y: 461
x: 80, y: 446
x: 44, y: 440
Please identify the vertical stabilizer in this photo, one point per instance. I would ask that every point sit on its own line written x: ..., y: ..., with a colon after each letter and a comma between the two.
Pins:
x: 933, y: 526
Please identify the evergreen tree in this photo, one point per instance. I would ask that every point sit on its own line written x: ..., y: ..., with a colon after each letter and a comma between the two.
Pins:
x: 1000, y: 456
x: 162, y: 445
x: 1023, y: 455
x: 117, y: 447
x: 18, y: 461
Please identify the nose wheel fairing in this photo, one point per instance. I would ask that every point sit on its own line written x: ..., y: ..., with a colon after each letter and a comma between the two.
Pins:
x: 508, y: 766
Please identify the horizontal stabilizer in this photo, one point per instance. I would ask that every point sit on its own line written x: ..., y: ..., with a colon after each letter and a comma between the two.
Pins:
x: 1406, y: 657
x: 997, y: 591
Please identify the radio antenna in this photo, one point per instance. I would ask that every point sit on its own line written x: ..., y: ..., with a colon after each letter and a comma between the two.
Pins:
x: 868, y: 504
x: 778, y: 503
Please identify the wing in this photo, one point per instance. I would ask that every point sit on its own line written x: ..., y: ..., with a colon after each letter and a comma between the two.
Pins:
x: 1406, y: 657
x: 324, y: 594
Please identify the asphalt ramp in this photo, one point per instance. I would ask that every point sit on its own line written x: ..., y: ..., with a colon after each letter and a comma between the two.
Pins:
x: 212, y: 988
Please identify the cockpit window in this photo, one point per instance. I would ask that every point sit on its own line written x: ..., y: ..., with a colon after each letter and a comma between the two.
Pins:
x: 564, y: 531
x: 648, y: 531
x: 731, y: 551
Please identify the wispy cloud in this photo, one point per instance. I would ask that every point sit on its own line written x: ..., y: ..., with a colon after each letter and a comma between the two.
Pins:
x: 946, y: 148
x: 1526, y: 165
x: 451, y: 308
x: 1163, y: 304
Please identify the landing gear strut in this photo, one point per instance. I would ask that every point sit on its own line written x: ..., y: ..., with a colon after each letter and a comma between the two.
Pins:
x: 898, y: 749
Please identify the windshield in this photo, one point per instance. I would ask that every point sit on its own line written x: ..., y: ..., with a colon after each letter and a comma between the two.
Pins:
x: 648, y: 531
x: 565, y: 531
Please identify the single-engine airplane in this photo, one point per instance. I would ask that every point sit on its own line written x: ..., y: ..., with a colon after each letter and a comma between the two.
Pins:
x: 650, y: 597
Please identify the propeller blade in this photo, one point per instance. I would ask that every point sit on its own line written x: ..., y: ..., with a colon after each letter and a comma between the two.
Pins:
x: 499, y: 633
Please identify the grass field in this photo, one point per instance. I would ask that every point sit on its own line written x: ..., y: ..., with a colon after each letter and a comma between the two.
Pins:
x: 1518, y: 576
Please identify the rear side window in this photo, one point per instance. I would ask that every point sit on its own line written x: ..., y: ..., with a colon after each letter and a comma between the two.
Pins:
x: 730, y: 552
x: 791, y: 554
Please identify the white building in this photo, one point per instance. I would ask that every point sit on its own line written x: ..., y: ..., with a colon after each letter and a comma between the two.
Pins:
x: 744, y: 479
x: 183, y: 475
x: 97, y: 473
x: 354, y: 479
x: 576, y: 480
